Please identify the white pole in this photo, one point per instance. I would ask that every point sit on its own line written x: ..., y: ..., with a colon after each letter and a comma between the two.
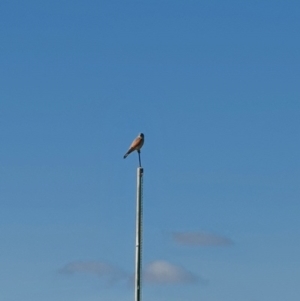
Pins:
x: 138, y: 237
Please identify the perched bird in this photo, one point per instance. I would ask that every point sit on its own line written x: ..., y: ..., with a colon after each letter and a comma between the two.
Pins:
x: 136, y: 145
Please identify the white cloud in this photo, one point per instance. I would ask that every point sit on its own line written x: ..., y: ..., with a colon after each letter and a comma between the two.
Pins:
x: 157, y: 272
x: 163, y: 272
x: 201, y: 239
x: 99, y: 269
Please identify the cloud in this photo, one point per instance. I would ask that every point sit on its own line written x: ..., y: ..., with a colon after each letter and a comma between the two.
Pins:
x: 96, y: 268
x: 163, y: 272
x: 157, y: 272
x: 200, y: 239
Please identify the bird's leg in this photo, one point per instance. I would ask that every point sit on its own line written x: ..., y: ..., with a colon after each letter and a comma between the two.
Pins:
x: 139, y: 152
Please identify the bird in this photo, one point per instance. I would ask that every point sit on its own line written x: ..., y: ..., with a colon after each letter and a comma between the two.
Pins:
x: 136, y: 145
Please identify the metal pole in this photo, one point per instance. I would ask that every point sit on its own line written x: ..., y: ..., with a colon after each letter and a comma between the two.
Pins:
x: 138, y: 237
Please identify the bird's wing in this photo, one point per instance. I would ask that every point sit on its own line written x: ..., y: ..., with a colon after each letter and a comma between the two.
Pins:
x: 136, y: 143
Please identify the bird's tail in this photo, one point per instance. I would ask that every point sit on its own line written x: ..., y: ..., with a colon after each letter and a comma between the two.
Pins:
x: 129, y: 152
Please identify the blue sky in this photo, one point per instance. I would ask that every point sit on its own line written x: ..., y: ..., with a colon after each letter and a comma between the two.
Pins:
x: 213, y: 85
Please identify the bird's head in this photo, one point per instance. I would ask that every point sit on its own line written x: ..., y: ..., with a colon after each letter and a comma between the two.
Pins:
x: 141, y: 135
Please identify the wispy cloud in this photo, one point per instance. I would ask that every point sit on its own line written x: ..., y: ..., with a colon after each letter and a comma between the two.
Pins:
x: 96, y: 268
x: 163, y: 272
x: 200, y: 239
x: 159, y: 272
